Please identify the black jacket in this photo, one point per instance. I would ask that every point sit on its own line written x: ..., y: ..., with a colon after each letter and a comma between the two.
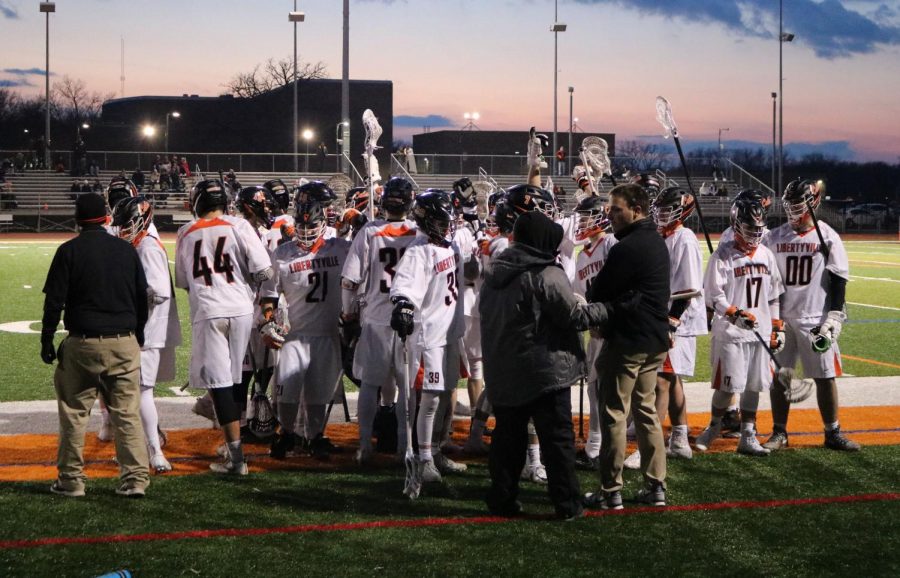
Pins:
x: 530, y: 324
x: 639, y: 262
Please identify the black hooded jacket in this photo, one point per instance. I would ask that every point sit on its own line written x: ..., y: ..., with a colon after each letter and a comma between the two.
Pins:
x: 531, y: 319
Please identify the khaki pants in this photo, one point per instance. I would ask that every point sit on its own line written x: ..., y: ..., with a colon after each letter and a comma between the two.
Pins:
x: 112, y: 368
x: 627, y: 383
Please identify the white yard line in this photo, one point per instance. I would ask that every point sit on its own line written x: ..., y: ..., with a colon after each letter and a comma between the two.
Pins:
x: 874, y: 306
x: 876, y: 262
x: 875, y: 279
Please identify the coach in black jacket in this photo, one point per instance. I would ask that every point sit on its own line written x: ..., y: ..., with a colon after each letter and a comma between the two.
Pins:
x: 530, y: 323
x: 635, y: 346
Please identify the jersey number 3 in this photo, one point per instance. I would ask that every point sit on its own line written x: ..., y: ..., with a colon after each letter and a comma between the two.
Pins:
x: 221, y: 263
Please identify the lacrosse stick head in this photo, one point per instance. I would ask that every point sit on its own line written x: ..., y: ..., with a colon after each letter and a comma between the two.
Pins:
x: 665, y: 118
x: 263, y: 422
x: 795, y: 389
x: 820, y: 342
x: 373, y: 130
x: 595, y: 154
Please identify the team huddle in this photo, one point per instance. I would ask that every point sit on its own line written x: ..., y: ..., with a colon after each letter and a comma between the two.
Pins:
x: 298, y: 288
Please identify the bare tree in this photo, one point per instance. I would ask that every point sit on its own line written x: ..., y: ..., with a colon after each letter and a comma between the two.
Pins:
x: 271, y: 75
x: 640, y: 157
x: 71, y: 100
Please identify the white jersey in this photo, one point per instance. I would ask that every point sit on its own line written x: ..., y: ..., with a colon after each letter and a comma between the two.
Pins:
x: 589, y: 262
x: 311, y: 284
x: 685, y: 273
x: 215, y: 260
x: 748, y: 282
x: 162, y: 328
x: 567, y: 246
x: 802, y: 266
x: 373, y: 259
x: 465, y: 240
x: 428, y: 275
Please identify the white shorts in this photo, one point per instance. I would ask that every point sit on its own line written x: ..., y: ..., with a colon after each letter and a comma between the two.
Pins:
x: 257, y: 349
x: 740, y: 366
x: 436, y: 369
x: 682, y: 357
x: 372, y: 360
x: 157, y: 365
x: 311, y: 366
x: 798, y: 345
x: 218, y: 347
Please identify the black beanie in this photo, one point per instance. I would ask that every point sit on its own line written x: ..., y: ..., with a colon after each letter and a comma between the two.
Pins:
x: 539, y: 231
x: 90, y: 209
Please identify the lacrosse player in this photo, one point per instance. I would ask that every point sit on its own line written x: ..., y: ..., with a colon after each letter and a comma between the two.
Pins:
x: 309, y: 364
x: 162, y: 333
x: 428, y: 316
x: 742, y: 284
x: 815, y: 270
x: 372, y: 266
x: 593, y: 226
x: 220, y: 261
x: 282, y: 229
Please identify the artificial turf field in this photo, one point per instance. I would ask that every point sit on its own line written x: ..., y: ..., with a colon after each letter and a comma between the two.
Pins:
x: 802, y: 512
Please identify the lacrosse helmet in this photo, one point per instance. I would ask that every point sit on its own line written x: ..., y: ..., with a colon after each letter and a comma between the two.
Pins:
x: 208, y: 195
x: 671, y: 205
x: 397, y: 195
x: 592, y: 218
x: 280, y: 194
x: 133, y: 217
x: 648, y: 182
x: 256, y: 202
x: 490, y: 223
x: 357, y: 198
x: 119, y: 189
x: 433, y: 213
x: 764, y: 197
x: 748, y: 219
x: 799, y: 196
x: 321, y: 193
x: 524, y: 198
x: 505, y: 216
x: 309, y: 223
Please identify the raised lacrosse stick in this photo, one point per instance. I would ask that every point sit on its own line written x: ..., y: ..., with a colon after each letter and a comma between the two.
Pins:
x: 373, y: 133
x: 413, y: 483
x: 665, y: 118
x: 795, y: 389
x: 588, y: 172
x: 596, y: 156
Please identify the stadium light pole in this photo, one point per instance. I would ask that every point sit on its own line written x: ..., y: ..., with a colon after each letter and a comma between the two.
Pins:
x: 295, y: 17
x: 556, y: 29
x: 782, y: 38
x: 174, y: 114
x: 774, y: 141
x: 339, y: 143
x: 47, y: 8
x: 307, y: 136
x: 571, y: 123
x: 721, y: 130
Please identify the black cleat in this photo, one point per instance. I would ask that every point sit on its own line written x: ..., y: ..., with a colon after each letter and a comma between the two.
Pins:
x: 320, y: 447
x: 583, y: 462
x: 731, y: 424
x: 281, y: 445
x: 835, y: 440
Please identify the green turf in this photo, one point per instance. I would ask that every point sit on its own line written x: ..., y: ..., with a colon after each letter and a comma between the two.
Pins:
x: 810, y: 540
x: 24, y: 377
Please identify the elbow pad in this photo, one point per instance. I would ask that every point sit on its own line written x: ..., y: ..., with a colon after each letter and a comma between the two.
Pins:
x: 264, y: 275
x: 837, y: 291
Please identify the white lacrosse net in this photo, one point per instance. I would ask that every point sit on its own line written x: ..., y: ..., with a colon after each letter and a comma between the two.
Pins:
x: 483, y: 190
x: 596, y: 155
x: 373, y: 130
x: 665, y: 118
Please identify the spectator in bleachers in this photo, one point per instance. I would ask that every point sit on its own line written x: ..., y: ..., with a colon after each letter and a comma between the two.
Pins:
x: 60, y: 166
x: 175, y: 174
x: 94, y: 168
x: 185, y: 167
x: 137, y: 177
x: 97, y: 187
x: 19, y: 162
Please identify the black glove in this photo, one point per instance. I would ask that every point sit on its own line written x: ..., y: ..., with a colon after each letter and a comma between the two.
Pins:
x: 349, y: 329
x: 48, y: 352
x: 402, y: 316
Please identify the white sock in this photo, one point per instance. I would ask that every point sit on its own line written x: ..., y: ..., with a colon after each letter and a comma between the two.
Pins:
x: 680, y: 431
x: 832, y: 426
x: 592, y: 447
x: 366, y: 406
x: 236, y: 452
x: 534, y: 454
x: 104, y: 413
x: 425, y: 422
x: 150, y: 419
x: 748, y: 429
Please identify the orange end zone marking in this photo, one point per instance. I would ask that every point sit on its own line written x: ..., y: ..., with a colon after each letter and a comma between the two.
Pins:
x: 431, y: 522
x: 872, y: 361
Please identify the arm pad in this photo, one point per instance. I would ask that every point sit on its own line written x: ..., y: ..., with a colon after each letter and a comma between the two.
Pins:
x: 679, y: 306
x: 837, y: 291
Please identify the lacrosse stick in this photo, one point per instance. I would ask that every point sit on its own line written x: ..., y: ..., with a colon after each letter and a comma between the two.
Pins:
x: 665, y: 118
x: 373, y: 133
x: 596, y: 156
x: 689, y: 294
x: 812, y: 213
x: 589, y: 173
x: 795, y: 389
x: 581, y: 408
x: 413, y: 483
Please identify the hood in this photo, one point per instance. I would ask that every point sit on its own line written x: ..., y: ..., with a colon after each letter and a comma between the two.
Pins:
x: 511, y: 263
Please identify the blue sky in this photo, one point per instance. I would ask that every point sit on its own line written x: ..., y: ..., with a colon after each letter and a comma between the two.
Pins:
x: 715, y: 60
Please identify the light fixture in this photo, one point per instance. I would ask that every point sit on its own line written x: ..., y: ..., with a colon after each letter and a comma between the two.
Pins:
x: 148, y: 130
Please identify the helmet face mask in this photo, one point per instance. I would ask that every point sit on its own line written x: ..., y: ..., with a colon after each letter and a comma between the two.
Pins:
x: 592, y: 219
x: 309, y: 224
x: 133, y: 217
x: 255, y: 204
x: 322, y: 194
x: 524, y: 198
x: 800, y: 197
x: 748, y: 219
x: 433, y: 213
x: 672, y: 205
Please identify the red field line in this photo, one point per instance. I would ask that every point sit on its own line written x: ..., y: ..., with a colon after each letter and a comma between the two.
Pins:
x: 431, y: 522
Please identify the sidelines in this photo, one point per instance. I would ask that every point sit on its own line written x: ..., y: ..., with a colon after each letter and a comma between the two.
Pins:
x: 872, y: 361
x: 431, y: 522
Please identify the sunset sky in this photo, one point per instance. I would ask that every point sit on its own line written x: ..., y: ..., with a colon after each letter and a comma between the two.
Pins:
x: 715, y: 60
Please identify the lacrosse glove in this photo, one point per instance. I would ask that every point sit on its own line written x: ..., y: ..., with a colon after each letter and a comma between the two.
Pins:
x: 740, y: 318
x: 402, y: 316
x: 777, y: 339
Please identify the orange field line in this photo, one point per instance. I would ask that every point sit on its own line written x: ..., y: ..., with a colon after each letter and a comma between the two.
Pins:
x: 872, y: 361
